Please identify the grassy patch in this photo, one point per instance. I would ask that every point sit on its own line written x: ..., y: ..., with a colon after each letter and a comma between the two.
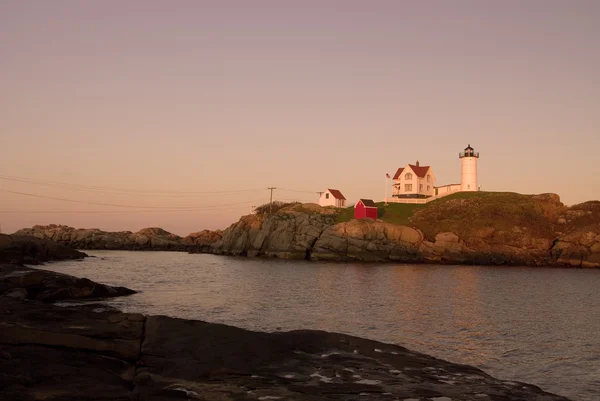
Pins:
x: 470, y: 213
x: 473, y: 213
x: 397, y: 213
x: 344, y: 215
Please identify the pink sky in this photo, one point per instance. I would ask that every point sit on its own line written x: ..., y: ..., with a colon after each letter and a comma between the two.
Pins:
x: 227, y: 95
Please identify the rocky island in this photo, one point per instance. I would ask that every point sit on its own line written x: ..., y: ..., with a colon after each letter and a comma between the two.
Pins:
x: 467, y: 228
x: 93, y: 352
x: 484, y: 228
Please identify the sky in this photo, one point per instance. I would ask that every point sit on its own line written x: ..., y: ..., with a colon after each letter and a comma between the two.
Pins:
x: 184, y: 113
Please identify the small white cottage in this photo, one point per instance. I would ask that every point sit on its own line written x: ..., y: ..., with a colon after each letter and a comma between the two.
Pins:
x: 332, y: 197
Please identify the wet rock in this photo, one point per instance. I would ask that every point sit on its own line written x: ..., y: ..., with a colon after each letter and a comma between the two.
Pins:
x: 17, y: 293
x: 27, y: 283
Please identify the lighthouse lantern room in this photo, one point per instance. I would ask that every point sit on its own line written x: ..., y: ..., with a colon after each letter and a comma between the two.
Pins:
x: 469, y: 169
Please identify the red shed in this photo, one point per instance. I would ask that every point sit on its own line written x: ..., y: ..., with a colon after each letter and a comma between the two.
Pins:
x: 365, y: 209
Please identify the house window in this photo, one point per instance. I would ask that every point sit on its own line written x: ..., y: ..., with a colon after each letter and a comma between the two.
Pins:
x: 326, y: 196
x: 407, y: 187
x: 428, y: 177
x: 408, y: 176
x: 421, y: 188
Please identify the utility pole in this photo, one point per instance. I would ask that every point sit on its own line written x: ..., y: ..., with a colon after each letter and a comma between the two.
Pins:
x: 271, y: 200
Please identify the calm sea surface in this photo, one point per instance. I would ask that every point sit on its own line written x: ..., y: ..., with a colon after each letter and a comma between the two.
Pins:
x: 536, y: 325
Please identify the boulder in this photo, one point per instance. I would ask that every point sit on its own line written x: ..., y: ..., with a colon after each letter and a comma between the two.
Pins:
x: 579, y: 248
x: 368, y: 240
x: 289, y: 235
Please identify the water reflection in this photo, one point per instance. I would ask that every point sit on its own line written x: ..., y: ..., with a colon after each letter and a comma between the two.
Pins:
x: 530, y: 324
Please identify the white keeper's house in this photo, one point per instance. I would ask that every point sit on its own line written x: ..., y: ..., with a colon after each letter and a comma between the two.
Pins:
x: 332, y: 197
x: 414, y: 183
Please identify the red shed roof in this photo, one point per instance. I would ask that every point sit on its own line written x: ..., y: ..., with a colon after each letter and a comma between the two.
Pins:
x: 336, y: 194
x: 368, y: 203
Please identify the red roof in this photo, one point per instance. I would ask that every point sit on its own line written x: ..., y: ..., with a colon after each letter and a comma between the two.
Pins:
x: 397, y: 175
x: 368, y: 202
x: 420, y: 171
x: 336, y: 194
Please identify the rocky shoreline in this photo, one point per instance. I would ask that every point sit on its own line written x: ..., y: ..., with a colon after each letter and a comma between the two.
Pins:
x: 504, y: 229
x: 93, y: 352
x: 485, y: 229
x: 147, y: 239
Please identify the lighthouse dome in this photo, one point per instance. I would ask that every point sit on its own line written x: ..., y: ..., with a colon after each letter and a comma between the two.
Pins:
x: 468, y: 152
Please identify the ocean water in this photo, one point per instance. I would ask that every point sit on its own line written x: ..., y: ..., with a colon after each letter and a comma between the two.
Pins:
x: 537, y: 325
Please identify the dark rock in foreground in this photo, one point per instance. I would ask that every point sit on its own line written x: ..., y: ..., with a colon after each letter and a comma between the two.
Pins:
x: 25, y: 283
x: 30, y: 250
x: 90, y: 353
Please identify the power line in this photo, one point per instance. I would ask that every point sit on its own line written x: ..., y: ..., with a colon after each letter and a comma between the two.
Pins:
x: 292, y: 199
x: 296, y: 190
x: 118, y: 205
x: 208, y: 208
x: 117, y: 211
x: 119, y: 191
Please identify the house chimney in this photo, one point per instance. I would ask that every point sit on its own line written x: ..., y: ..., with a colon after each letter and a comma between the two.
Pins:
x: 417, y: 163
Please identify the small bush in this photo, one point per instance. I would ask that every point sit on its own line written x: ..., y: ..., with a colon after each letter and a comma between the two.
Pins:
x: 275, y: 207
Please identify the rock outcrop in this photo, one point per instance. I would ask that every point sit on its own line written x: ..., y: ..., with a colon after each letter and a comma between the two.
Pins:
x: 145, y: 239
x: 204, y: 237
x: 94, y: 353
x: 367, y: 240
x: 579, y: 245
x: 21, y: 282
x: 286, y: 235
x: 485, y: 229
x: 29, y: 250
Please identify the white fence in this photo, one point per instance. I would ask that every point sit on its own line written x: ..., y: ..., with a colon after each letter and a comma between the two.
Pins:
x: 419, y: 201
x: 409, y: 200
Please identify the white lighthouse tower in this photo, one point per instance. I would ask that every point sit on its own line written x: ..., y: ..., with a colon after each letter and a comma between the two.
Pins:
x: 469, y: 169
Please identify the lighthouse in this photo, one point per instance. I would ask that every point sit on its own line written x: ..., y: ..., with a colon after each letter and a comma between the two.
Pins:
x: 469, y: 169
